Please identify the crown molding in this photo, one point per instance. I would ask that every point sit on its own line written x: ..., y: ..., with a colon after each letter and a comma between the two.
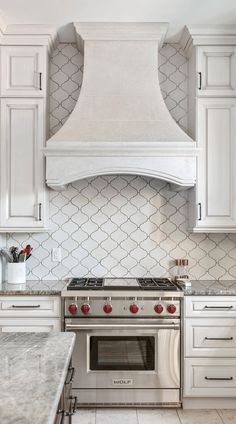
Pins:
x: 197, y: 35
x: 120, y: 31
x: 40, y: 35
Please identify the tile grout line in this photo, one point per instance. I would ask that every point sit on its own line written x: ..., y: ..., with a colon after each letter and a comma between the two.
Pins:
x: 137, y: 415
x: 178, y: 416
x: 220, y: 416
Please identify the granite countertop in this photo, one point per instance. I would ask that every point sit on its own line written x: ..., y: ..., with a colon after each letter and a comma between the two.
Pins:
x: 32, y: 375
x: 34, y: 288
x: 54, y: 288
x: 211, y: 288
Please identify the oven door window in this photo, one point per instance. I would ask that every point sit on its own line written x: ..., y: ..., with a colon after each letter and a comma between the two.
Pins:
x: 122, y: 353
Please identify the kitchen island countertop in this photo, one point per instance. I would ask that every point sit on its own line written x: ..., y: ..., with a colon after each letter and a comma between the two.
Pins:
x: 32, y: 375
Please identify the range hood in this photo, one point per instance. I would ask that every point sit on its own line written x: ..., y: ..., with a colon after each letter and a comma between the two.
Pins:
x: 120, y: 124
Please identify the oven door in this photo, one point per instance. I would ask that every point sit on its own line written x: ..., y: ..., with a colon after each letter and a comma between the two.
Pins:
x: 126, y: 353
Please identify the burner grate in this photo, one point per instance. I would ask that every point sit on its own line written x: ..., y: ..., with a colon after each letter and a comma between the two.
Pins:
x: 157, y: 284
x: 78, y: 283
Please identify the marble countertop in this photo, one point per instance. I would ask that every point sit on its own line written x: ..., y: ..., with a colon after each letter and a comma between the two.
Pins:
x: 211, y: 288
x: 34, y: 288
x: 32, y: 375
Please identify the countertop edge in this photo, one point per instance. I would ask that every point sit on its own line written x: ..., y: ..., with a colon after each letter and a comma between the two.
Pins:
x: 54, y: 408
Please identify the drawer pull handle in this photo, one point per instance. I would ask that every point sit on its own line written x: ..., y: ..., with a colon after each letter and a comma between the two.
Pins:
x: 40, y: 81
x: 219, y: 378
x: 199, y: 80
x: 25, y: 306
x: 219, y: 338
x: 218, y: 307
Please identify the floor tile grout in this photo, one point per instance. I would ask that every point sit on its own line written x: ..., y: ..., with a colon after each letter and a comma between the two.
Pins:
x: 217, y: 411
x: 177, y: 412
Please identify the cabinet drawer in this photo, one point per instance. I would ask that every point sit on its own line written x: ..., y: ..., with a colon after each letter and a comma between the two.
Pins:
x: 210, y: 306
x: 210, y: 377
x: 30, y: 306
x: 210, y: 337
x: 27, y: 325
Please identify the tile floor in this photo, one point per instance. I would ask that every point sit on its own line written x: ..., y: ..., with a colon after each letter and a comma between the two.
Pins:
x: 154, y: 416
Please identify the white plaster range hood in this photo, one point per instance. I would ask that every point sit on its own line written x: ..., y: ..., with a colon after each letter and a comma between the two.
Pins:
x: 120, y: 124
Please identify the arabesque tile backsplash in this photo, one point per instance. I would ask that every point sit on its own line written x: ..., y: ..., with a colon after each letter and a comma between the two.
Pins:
x: 122, y: 225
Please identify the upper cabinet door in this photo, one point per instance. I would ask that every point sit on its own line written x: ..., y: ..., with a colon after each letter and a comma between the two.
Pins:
x: 23, y: 70
x: 216, y: 185
x: 216, y: 71
x: 23, y: 204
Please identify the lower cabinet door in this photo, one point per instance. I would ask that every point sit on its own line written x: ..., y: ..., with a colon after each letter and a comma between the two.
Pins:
x: 209, y: 377
x: 18, y: 325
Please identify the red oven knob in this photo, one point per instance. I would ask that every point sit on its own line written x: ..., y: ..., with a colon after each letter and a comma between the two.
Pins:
x: 73, y: 308
x: 107, y: 308
x: 134, y: 308
x: 85, y: 308
x: 158, y: 308
x: 171, y: 309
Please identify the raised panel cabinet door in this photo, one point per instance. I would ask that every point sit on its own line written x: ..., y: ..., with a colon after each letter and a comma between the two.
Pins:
x: 216, y: 182
x: 23, y: 71
x: 23, y: 194
x: 216, y: 71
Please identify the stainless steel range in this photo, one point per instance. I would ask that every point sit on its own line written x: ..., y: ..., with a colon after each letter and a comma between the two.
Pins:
x: 127, y: 348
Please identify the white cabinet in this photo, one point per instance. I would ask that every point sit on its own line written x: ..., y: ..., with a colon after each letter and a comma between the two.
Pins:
x: 211, y: 377
x: 24, y: 325
x: 212, y: 123
x: 30, y: 306
x: 24, y: 55
x: 216, y: 123
x: 210, y: 337
x: 23, y: 71
x: 216, y: 74
x: 30, y: 313
x: 23, y: 195
x: 210, y: 307
x: 209, y: 346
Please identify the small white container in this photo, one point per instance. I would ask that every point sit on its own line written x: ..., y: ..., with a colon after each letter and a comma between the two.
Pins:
x: 16, y: 272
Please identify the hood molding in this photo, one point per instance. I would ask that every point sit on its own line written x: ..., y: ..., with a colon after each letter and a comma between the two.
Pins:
x: 120, y: 124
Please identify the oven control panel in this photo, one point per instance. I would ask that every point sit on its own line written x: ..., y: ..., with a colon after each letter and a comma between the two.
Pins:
x: 127, y: 307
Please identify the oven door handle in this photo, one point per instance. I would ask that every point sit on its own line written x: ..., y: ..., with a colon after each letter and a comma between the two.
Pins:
x: 122, y: 326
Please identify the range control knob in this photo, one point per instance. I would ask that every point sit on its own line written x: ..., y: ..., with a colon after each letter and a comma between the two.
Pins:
x: 107, y: 308
x: 158, y: 308
x: 134, y: 308
x: 85, y: 308
x: 73, y: 308
x: 171, y: 309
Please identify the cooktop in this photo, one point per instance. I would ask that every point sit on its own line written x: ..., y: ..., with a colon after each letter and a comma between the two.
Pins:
x: 123, y: 284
